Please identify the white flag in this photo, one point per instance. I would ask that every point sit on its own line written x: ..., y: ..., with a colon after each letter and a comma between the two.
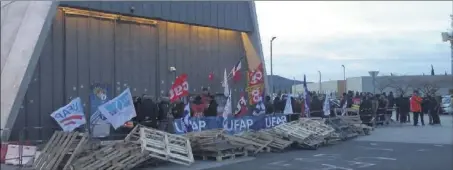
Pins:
x: 326, y: 107
x: 119, y: 110
x: 70, y: 116
x: 288, y: 106
x: 225, y: 84
x: 227, y: 111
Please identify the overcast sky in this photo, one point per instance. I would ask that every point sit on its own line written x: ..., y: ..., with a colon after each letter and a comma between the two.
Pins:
x: 391, y: 37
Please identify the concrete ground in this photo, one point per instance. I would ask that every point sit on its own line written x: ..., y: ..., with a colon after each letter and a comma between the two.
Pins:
x: 396, y: 147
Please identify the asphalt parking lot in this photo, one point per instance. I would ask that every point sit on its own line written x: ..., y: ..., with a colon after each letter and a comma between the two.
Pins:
x: 395, y: 147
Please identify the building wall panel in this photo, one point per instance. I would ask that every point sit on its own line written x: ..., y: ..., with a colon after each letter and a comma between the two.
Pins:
x: 71, y: 58
x: 163, y: 60
x: 233, y: 15
x: 81, y: 51
x: 83, y: 61
x: 47, y: 85
x: 93, y: 42
x: 106, y: 53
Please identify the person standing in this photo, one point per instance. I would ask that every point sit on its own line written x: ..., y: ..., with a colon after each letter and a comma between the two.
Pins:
x: 398, y: 102
x: 198, y: 107
x: 426, y: 107
x: 404, y: 109
x: 268, y: 104
x: 436, y: 109
x: 416, y: 108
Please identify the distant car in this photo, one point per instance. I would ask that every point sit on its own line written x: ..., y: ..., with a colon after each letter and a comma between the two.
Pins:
x: 446, y: 105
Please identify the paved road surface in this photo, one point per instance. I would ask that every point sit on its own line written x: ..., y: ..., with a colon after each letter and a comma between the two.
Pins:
x: 387, y: 148
x: 391, y: 148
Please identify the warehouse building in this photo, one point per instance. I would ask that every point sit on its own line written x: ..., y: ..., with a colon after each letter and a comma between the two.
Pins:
x: 138, y: 45
x: 332, y: 86
x: 441, y: 84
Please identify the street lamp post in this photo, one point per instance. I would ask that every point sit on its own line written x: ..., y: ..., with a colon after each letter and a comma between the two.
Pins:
x: 320, y: 86
x: 448, y: 36
x: 344, y: 78
x: 272, y: 70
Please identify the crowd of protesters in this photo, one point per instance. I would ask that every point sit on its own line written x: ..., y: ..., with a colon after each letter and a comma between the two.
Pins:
x: 371, y: 106
x: 378, y: 106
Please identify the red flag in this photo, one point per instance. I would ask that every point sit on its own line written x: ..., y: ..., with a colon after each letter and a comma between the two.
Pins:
x: 180, y: 88
x: 211, y: 76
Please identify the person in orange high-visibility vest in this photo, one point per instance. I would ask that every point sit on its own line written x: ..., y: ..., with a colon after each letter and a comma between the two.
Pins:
x: 416, y: 108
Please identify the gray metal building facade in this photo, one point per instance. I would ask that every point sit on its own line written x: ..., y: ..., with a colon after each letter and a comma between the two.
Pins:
x: 194, y: 37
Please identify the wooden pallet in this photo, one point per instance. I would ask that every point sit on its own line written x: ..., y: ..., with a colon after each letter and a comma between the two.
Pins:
x: 165, y: 146
x: 61, y: 150
x: 202, y: 138
x: 252, y: 144
x: 134, y: 134
x: 124, y: 155
x: 278, y: 143
x: 224, y: 156
x: 221, y: 151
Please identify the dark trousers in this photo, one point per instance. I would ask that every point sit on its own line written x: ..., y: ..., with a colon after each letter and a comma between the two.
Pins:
x: 403, y: 117
x: 416, y: 115
x: 435, y: 117
x: 398, y: 113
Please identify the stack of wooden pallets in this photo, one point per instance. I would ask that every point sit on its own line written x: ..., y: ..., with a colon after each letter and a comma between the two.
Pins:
x: 203, y: 138
x: 253, y: 142
x: 165, y: 146
x: 299, y: 135
x: 279, y: 143
x: 116, y: 156
x: 60, y: 150
x: 357, y: 125
x: 217, y: 145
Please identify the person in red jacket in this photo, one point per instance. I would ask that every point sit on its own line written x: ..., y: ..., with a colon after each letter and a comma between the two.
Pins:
x: 198, y: 107
x: 416, y: 108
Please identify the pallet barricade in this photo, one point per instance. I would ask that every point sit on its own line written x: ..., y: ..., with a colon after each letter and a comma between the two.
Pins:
x: 221, y: 150
x: 204, y: 138
x: 252, y: 141
x: 357, y: 124
x: 61, y: 149
x: 115, y: 156
x: 216, y: 144
x: 279, y: 143
x: 165, y: 146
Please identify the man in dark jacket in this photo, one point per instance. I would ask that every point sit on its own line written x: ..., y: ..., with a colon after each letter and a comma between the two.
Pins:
x: 268, y: 104
x: 366, y: 112
x: 277, y: 105
x: 404, y: 109
x: 212, y: 108
x: 426, y: 107
x: 177, y: 109
x: 435, y: 111
x: 316, y: 107
x: 149, y: 112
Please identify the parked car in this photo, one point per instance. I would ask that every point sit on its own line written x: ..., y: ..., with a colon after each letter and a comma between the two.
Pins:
x: 446, y: 105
